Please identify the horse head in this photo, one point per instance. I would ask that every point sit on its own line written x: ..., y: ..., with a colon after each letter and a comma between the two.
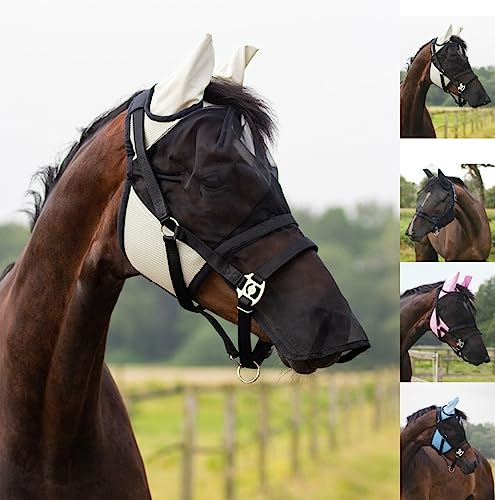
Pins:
x: 204, y: 217
x: 453, y: 321
x: 435, y: 206
x: 451, y: 71
x: 442, y: 428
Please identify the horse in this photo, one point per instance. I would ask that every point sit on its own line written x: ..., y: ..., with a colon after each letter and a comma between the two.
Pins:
x: 449, y: 221
x: 446, y: 309
x: 443, y: 62
x: 199, y: 144
x: 432, y: 438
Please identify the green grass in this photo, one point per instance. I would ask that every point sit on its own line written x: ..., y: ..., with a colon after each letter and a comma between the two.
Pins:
x: 407, y: 246
x: 486, y: 129
x: 362, y: 463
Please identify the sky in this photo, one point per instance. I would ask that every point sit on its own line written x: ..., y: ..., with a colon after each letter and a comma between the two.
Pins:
x: 413, y: 274
x: 475, y: 399
x: 478, y: 33
x: 447, y: 155
x: 64, y: 65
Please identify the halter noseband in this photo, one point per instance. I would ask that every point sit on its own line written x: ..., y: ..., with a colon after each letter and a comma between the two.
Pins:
x: 249, y: 287
x: 446, y: 218
x: 448, y: 333
x: 460, y: 80
x: 441, y: 443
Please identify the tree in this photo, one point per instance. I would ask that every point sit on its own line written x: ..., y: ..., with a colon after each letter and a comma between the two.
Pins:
x: 485, y: 305
x: 408, y: 191
x: 475, y: 174
x: 490, y: 197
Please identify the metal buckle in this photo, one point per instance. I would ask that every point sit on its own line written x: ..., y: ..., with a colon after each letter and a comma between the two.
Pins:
x: 251, y: 290
x: 459, y: 344
x: 461, y: 87
x: 459, y: 453
x: 451, y: 468
x: 173, y: 236
x: 239, y: 372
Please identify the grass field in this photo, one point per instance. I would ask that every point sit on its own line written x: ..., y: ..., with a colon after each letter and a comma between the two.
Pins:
x: 486, y: 129
x: 407, y: 247
x: 362, y: 463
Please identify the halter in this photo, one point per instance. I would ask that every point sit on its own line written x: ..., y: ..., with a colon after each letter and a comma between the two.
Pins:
x: 461, y: 80
x: 445, y: 333
x: 177, y: 239
x: 446, y: 218
x: 441, y: 443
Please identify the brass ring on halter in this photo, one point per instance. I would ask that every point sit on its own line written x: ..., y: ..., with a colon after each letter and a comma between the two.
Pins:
x: 248, y: 381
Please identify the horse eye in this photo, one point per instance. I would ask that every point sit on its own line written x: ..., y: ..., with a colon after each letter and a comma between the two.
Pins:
x: 213, y: 181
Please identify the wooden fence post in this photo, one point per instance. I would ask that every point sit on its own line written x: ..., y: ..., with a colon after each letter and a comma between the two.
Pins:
x: 263, y: 430
x: 333, y: 409
x: 314, y: 410
x: 378, y: 403
x: 229, y: 443
x: 456, y: 124
x: 464, y: 117
x: 189, y: 438
x: 445, y: 124
x: 295, y: 428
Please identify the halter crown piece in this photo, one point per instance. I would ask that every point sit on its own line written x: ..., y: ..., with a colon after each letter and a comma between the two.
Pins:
x: 440, y: 441
x: 157, y: 244
x: 438, y: 325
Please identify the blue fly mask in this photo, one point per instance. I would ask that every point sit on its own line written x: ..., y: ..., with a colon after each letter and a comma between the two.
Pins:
x: 444, y: 439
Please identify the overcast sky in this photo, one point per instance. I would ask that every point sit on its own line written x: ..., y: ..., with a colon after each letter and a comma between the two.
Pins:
x: 475, y: 399
x: 413, y: 274
x: 334, y: 93
x: 447, y: 155
x: 478, y: 33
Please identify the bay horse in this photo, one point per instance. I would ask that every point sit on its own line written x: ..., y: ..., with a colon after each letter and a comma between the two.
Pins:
x: 446, y: 309
x: 443, y: 62
x: 64, y: 430
x: 429, y: 471
x: 449, y: 221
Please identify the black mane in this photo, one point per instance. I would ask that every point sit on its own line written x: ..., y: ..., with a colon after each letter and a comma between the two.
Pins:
x: 433, y: 286
x: 412, y: 418
x: 422, y: 289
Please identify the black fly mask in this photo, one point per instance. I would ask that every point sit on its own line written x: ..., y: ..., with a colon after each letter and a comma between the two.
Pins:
x: 216, y: 163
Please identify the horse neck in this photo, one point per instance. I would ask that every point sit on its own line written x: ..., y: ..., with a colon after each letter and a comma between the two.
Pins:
x: 415, y: 314
x: 412, y: 438
x: 413, y: 94
x: 471, y: 216
x: 58, y: 298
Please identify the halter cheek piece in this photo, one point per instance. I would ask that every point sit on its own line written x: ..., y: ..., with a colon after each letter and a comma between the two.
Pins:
x: 249, y: 287
x: 441, y: 443
x: 460, y: 80
x: 443, y: 220
x: 461, y: 340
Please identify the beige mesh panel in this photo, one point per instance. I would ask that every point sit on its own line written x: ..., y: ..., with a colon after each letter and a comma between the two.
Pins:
x: 145, y: 248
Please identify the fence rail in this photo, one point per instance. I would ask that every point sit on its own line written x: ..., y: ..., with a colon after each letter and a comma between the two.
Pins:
x: 316, y: 414
x: 461, y: 122
x: 446, y: 364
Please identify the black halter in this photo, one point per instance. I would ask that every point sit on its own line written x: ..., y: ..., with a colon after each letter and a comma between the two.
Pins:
x: 450, y: 334
x: 248, y: 287
x: 460, y: 80
x: 445, y: 444
x: 446, y: 218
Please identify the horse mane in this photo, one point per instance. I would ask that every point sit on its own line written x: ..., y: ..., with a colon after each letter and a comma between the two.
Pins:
x: 412, y: 418
x: 255, y: 110
x: 422, y: 289
x: 471, y: 298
